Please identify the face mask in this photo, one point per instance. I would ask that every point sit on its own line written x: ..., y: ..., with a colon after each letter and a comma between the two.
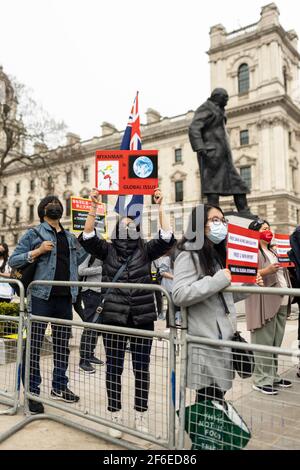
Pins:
x: 54, y: 212
x: 217, y: 233
x: 266, y: 235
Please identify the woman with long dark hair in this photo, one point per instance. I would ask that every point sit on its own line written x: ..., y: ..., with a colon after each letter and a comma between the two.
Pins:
x: 127, y: 258
x: 199, y: 278
x: 266, y: 314
x: 6, y: 292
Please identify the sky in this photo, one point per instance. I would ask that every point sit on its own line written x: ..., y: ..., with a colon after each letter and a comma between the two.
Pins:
x: 85, y: 59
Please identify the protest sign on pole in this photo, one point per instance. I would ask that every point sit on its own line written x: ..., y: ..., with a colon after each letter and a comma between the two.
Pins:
x: 80, y: 208
x: 283, y: 246
x: 126, y: 171
x: 242, y: 254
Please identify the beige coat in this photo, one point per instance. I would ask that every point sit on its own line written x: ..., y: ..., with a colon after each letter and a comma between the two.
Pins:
x: 261, y: 308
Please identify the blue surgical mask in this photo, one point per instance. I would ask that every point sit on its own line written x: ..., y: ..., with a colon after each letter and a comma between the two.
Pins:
x: 217, y: 233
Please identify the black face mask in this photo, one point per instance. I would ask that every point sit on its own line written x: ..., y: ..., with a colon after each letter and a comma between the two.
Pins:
x: 54, y: 212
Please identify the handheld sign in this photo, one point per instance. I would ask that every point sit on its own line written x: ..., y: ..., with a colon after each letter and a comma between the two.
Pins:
x: 242, y: 254
x: 80, y: 208
x: 283, y: 246
x: 126, y: 171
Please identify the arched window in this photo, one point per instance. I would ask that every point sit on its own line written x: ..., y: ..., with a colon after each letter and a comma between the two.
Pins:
x: 243, y: 78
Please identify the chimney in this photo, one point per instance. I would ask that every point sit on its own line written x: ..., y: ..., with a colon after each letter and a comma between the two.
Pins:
x: 217, y: 35
x: 152, y: 116
x: 107, y: 129
x: 269, y: 16
x: 72, y: 138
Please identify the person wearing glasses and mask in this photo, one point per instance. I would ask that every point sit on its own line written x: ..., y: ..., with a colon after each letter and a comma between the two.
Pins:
x: 127, y: 258
x: 58, y: 256
x: 199, y: 278
x: 266, y: 314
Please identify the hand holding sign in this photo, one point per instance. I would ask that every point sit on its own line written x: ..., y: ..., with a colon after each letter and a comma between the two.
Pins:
x: 95, y: 196
x: 158, y: 197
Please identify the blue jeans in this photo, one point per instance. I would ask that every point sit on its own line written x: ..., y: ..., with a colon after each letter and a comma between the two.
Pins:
x: 56, y: 307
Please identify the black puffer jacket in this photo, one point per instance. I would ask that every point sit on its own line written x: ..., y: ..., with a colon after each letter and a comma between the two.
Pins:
x: 127, y: 307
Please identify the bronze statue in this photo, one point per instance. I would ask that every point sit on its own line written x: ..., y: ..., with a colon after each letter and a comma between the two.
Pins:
x: 209, y: 138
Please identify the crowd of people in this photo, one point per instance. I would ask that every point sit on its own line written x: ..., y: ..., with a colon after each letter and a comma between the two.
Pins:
x: 195, y: 279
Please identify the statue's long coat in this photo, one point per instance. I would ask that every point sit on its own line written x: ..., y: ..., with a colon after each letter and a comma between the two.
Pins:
x: 207, y: 131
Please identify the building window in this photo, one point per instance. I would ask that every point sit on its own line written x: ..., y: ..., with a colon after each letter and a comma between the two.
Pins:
x: 69, y: 177
x: 68, y: 207
x: 290, y: 139
x: 178, y: 155
x: 31, y: 213
x: 2, y: 239
x: 85, y: 174
x: 4, y: 191
x: 16, y: 238
x: 4, y: 214
x: 244, y: 137
x: 49, y: 183
x: 243, y: 78
x: 32, y: 185
x: 17, y: 215
x: 17, y: 188
x: 104, y: 198
x: 178, y: 224
x: 178, y: 191
x: 294, y: 178
x: 285, y: 79
x: 245, y: 173
x: 298, y: 217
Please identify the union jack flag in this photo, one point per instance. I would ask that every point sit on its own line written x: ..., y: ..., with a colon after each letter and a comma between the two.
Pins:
x: 131, y: 205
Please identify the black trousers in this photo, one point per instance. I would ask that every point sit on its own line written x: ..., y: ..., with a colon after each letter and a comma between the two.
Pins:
x: 56, y: 307
x: 115, y: 347
x: 88, y: 343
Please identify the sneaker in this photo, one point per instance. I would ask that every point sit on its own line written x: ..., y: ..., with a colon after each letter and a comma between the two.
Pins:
x: 266, y: 389
x: 86, y: 367
x: 283, y: 383
x: 64, y: 395
x: 141, y: 422
x: 35, y: 407
x: 116, y: 417
x: 95, y: 360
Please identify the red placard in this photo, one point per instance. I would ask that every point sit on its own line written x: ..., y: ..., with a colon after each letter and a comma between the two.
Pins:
x: 283, y: 246
x: 126, y: 171
x: 242, y: 254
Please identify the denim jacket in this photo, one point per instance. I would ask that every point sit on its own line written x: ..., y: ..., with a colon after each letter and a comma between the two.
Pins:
x: 46, y: 264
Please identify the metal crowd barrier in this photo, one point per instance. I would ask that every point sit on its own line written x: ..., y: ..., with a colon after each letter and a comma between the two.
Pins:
x: 271, y: 421
x: 133, y: 344
x: 11, y: 355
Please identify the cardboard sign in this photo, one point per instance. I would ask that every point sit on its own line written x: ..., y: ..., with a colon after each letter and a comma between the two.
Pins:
x: 242, y: 254
x: 126, y: 171
x: 283, y: 246
x: 80, y: 208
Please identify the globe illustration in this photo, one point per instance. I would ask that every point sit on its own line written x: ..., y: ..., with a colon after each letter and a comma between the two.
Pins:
x: 143, y: 167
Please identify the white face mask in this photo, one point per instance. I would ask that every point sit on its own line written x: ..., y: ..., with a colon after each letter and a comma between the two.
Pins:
x: 217, y: 233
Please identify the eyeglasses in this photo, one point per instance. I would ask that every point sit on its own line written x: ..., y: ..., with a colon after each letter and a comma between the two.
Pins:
x: 217, y: 221
x: 258, y: 222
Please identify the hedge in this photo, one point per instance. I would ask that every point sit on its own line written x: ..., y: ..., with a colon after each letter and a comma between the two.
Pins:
x: 12, y: 309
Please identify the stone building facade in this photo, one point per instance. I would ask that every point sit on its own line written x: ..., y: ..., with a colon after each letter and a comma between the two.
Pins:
x: 258, y: 65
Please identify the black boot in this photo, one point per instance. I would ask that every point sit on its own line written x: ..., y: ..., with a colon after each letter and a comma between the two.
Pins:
x: 213, y: 199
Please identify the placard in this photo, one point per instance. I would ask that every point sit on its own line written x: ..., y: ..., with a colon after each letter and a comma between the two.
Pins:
x: 242, y: 254
x: 80, y: 208
x: 126, y: 171
x: 283, y: 246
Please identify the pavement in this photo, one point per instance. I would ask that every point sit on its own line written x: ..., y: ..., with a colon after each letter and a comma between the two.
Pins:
x: 274, y: 421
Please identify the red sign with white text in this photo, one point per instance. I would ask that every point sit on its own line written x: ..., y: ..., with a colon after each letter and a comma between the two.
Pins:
x: 242, y: 254
x: 126, y: 171
x: 283, y: 246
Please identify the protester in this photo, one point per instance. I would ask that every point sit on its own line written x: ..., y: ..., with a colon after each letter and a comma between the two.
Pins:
x: 6, y: 292
x: 199, y: 278
x: 58, y: 258
x: 91, y: 271
x: 294, y: 255
x: 127, y: 258
x: 266, y: 314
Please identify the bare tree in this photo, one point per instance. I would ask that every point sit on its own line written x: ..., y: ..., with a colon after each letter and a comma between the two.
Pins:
x: 24, y: 124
